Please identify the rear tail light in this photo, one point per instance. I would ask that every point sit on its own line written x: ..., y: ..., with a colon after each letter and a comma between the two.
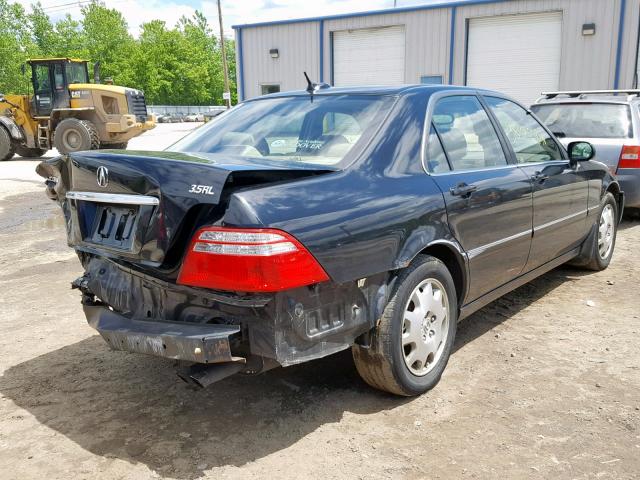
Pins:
x: 629, y: 157
x: 248, y: 260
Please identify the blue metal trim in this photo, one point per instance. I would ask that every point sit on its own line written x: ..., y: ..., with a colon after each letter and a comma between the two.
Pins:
x: 414, y: 8
x: 616, y: 80
x: 331, y: 58
x: 452, y: 43
x: 321, y: 28
x: 239, y: 65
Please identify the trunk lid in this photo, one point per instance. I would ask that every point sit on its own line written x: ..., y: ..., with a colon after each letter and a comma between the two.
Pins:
x: 144, y: 206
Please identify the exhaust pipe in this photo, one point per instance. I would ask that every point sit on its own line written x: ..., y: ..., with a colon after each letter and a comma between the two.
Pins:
x: 203, y: 375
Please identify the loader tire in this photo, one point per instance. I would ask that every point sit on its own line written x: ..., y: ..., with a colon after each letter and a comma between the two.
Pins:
x: 7, y: 147
x: 73, y: 135
x: 27, y: 152
x: 114, y: 146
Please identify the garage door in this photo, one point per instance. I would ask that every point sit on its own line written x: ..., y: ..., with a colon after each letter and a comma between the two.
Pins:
x: 370, y: 56
x: 516, y: 54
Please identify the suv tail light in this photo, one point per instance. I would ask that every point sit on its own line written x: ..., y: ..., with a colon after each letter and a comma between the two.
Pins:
x: 248, y: 260
x: 629, y: 157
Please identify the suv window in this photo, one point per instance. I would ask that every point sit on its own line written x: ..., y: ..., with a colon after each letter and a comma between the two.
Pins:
x: 586, y: 120
x: 530, y: 142
x: 467, y: 135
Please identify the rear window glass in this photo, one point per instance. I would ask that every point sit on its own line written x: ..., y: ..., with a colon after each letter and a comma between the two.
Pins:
x: 321, y: 130
x: 586, y: 120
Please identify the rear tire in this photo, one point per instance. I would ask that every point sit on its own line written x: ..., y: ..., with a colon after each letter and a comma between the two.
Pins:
x: 27, y: 152
x: 73, y: 135
x: 7, y: 147
x: 412, y: 343
x: 605, y: 231
x: 114, y: 146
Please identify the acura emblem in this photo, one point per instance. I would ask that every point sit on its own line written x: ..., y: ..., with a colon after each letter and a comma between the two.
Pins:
x: 102, y: 176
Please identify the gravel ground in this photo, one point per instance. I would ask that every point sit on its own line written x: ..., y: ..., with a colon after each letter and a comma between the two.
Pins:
x: 544, y: 383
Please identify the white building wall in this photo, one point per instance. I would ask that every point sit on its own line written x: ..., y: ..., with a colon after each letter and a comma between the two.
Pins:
x: 586, y: 61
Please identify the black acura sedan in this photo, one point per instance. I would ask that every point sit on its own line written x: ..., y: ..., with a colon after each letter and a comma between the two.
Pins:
x: 300, y: 224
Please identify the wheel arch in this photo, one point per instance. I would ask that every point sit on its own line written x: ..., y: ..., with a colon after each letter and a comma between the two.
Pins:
x: 613, y: 187
x: 60, y: 114
x: 451, y: 255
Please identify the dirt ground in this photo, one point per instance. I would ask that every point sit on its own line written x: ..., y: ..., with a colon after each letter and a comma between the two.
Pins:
x: 544, y: 383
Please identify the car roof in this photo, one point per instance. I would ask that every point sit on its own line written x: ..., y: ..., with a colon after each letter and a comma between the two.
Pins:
x: 374, y: 90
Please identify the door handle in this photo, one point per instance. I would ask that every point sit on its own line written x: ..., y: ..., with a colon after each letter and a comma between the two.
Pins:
x: 539, y: 177
x: 463, y: 190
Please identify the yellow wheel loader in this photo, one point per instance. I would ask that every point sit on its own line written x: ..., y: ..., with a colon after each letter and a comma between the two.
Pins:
x: 67, y: 112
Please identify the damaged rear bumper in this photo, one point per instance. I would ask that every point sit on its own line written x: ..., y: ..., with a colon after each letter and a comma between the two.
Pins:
x: 199, y: 343
x: 139, y: 313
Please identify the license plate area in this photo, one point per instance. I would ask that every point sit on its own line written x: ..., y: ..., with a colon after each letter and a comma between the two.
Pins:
x: 115, y: 226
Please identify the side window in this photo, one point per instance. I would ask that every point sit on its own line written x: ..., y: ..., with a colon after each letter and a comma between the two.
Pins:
x: 467, y: 134
x: 267, y: 89
x: 530, y: 142
x: 42, y: 78
x: 436, y: 159
x: 58, y: 76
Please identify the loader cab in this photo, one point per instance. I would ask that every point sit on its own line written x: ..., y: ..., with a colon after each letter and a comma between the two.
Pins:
x: 51, y: 79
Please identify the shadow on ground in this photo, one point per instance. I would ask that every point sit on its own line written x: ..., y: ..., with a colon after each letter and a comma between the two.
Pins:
x: 133, y: 407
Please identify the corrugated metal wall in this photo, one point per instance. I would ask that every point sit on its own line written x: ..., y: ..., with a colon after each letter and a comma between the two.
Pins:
x: 630, y: 44
x: 586, y: 61
x: 298, y: 45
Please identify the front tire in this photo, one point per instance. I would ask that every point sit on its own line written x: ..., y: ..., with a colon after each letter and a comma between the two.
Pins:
x: 73, y: 135
x: 7, y: 147
x: 27, y: 152
x: 411, y: 346
x: 605, y: 231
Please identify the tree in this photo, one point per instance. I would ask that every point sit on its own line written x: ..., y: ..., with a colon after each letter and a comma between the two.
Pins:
x: 107, y: 38
x: 179, y: 65
x: 16, y: 46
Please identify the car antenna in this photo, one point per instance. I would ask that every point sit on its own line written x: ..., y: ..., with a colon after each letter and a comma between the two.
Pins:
x: 311, y: 87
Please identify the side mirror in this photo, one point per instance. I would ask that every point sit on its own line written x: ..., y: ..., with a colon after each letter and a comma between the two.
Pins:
x: 580, y: 152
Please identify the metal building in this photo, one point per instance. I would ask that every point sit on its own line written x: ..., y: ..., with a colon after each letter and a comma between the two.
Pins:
x: 521, y: 47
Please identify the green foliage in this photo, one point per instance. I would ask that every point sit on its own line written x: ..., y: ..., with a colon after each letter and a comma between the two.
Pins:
x: 179, y: 65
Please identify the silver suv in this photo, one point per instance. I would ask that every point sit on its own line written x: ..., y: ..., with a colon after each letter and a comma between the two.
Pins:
x: 609, y: 120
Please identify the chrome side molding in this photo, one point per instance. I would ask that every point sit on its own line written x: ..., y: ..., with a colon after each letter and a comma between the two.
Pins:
x: 120, y: 198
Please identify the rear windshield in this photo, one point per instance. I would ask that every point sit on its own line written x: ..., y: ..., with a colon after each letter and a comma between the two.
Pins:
x: 319, y: 130
x: 586, y: 120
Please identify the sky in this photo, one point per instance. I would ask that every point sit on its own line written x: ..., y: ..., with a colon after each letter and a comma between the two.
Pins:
x: 234, y: 12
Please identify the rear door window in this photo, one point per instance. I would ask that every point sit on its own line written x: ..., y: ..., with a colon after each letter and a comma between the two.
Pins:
x: 530, y: 141
x: 436, y: 159
x: 586, y: 120
x: 467, y: 134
